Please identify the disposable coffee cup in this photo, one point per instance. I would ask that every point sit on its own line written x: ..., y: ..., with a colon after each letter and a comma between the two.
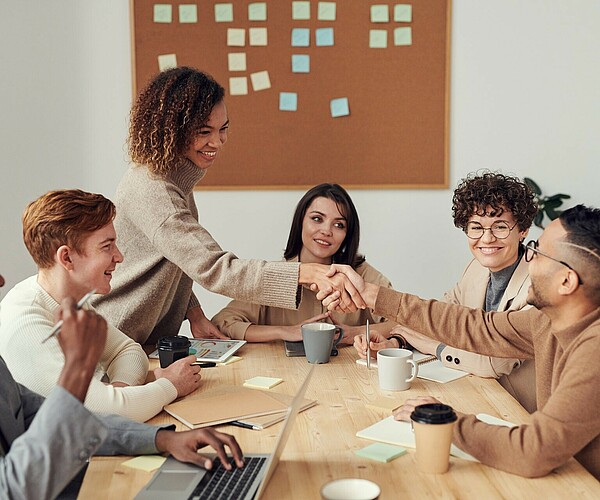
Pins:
x: 170, y: 349
x: 319, y: 339
x: 433, y: 425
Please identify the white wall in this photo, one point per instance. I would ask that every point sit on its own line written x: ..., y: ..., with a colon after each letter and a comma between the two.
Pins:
x: 525, y: 99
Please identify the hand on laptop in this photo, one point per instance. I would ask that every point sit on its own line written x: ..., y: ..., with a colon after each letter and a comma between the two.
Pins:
x: 184, y: 376
x: 184, y: 446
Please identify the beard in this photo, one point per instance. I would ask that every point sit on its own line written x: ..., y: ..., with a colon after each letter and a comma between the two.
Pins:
x: 536, y: 295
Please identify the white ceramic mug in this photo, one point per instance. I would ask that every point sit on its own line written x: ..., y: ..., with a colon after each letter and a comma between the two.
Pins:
x: 396, y: 369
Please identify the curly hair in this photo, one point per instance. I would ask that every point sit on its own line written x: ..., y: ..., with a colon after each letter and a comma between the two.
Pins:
x: 167, y: 115
x: 491, y: 194
x: 63, y: 217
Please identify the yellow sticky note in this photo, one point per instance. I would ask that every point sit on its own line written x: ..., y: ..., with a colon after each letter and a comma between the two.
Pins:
x: 257, y: 37
x: 403, y: 13
x: 378, y: 39
x: 326, y: 11
x: 233, y: 359
x: 147, y: 463
x: 403, y: 36
x: 167, y: 61
x: 260, y: 80
x: 380, y: 14
x: 236, y: 61
x: 188, y: 13
x: 236, y: 37
x: 163, y: 13
x: 262, y: 382
x: 238, y: 85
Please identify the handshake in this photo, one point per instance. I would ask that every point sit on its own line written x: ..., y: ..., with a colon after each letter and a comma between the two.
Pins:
x: 339, y: 287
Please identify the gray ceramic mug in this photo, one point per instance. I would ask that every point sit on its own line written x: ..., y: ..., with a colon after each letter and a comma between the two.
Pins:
x: 319, y: 339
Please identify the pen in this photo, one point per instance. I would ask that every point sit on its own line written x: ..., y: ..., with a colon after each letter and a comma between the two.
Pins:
x: 244, y: 425
x: 204, y: 364
x: 79, y: 305
x: 368, y: 347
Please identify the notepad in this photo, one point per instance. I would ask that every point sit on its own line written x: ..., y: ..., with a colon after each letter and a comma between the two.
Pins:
x: 262, y: 382
x: 381, y: 452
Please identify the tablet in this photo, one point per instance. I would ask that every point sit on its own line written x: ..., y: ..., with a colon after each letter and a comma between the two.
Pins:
x: 213, y: 350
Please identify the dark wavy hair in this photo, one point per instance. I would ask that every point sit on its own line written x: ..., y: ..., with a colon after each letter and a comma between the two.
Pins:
x: 348, y: 251
x: 582, y: 225
x: 499, y: 192
x: 167, y: 114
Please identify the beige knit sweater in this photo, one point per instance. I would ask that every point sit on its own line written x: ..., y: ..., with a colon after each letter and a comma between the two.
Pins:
x: 567, y: 422
x: 166, y: 249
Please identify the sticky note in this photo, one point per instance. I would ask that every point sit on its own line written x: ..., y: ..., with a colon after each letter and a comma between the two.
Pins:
x: 147, y: 463
x: 288, y: 101
x: 403, y: 36
x: 378, y: 39
x: 262, y: 382
x: 381, y: 452
x: 232, y: 359
x: 188, y: 13
x: 238, y: 85
x: 403, y: 13
x: 236, y: 61
x: 339, y: 107
x: 300, y: 11
x: 163, y: 13
x: 300, y: 63
x: 236, y: 37
x: 167, y: 61
x: 380, y: 14
x: 324, y: 37
x: 257, y: 11
x: 260, y: 80
x: 257, y: 37
x: 223, y: 12
x: 326, y: 11
x: 300, y: 37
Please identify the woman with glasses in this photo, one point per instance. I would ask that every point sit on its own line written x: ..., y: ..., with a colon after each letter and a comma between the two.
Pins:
x: 495, y: 212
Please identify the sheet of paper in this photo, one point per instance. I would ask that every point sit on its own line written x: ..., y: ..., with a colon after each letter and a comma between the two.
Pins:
x: 167, y: 61
x: 300, y: 37
x: 238, y: 85
x: 403, y: 13
x: 223, y: 12
x: 236, y: 61
x: 257, y: 11
x: 236, y: 37
x: 188, y: 13
x: 257, y: 37
x: 300, y: 63
x: 260, y: 80
x: 324, y: 37
x: 163, y: 13
x: 339, y: 107
x: 381, y: 452
x: 380, y: 13
x: 146, y: 463
x: 288, y: 101
x: 300, y: 11
x: 262, y: 382
x: 378, y: 39
x: 326, y: 11
x: 403, y: 36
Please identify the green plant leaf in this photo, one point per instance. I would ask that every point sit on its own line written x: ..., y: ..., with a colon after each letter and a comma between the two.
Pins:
x: 534, y: 187
x: 538, y: 219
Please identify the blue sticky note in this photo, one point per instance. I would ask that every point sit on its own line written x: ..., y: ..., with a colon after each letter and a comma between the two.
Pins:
x: 324, y: 37
x: 300, y: 63
x: 339, y: 107
x: 288, y: 101
x: 300, y: 37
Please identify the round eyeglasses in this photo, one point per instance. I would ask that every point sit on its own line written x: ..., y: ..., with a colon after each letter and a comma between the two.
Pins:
x: 532, y: 248
x: 499, y: 229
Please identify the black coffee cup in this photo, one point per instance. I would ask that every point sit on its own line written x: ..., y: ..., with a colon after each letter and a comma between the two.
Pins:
x: 170, y: 349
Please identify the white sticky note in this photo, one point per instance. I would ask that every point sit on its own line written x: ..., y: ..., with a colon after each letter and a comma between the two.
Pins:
x: 188, y: 13
x: 380, y: 14
x: 339, y: 107
x: 238, y: 85
x: 236, y: 61
x: 403, y: 13
x: 163, y: 13
x: 300, y: 11
x: 257, y: 37
x: 236, y: 37
x: 326, y: 11
x: 167, y: 61
x: 403, y: 36
x: 223, y: 12
x: 257, y: 11
x: 260, y: 80
x: 378, y: 39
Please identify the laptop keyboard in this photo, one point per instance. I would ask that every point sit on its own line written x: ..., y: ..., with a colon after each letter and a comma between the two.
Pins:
x: 223, y: 484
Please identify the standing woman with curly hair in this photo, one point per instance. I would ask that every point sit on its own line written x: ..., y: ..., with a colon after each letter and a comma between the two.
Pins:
x: 495, y: 211
x: 178, y: 126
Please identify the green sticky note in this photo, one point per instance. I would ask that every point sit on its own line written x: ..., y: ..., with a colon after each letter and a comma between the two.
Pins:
x: 188, y: 13
x: 403, y: 36
x: 257, y: 11
x: 300, y: 11
x: 381, y: 452
x: 378, y: 39
x: 326, y: 11
x: 380, y: 14
x: 403, y: 13
x: 223, y: 12
x: 163, y: 13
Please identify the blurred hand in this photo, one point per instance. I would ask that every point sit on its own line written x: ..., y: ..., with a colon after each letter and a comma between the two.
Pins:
x: 184, y: 376
x: 404, y: 411
x: 184, y: 446
x: 201, y: 327
x: 378, y: 342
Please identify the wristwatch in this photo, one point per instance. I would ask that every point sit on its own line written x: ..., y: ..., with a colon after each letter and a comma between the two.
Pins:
x: 402, y: 342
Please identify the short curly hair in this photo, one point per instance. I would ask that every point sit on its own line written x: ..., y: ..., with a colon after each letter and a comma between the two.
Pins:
x: 480, y: 191
x: 167, y: 115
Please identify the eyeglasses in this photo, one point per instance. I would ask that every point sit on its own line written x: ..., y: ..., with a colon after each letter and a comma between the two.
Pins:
x: 532, y: 248
x: 499, y: 229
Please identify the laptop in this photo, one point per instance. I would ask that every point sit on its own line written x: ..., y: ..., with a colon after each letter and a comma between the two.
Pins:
x: 296, y: 349
x: 180, y: 481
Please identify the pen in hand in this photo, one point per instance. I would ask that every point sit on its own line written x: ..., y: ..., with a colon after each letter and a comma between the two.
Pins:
x: 368, y: 337
x: 58, y: 325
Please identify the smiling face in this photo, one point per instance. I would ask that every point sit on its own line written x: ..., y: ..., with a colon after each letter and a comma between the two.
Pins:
x: 209, y: 140
x: 323, y: 231
x: 491, y: 252
x: 92, y: 267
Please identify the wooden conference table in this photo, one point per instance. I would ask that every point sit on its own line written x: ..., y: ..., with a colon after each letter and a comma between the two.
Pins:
x: 322, y: 445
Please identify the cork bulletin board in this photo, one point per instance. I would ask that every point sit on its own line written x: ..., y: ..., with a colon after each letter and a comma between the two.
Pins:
x: 354, y: 92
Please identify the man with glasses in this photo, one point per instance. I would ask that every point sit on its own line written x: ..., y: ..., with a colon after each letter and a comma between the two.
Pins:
x: 561, y: 331
x: 495, y: 211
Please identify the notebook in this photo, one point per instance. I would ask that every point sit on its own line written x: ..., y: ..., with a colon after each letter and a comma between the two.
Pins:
x: 215, y: 350
x: 177, y: 481
x: 262, y: 422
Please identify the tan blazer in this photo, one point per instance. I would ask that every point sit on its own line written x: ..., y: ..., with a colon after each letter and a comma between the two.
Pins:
x: 516, y: 376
